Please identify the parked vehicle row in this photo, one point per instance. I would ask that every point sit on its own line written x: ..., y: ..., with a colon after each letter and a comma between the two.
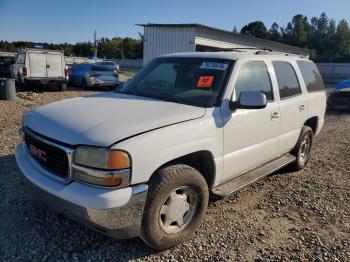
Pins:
x: 143, y: 161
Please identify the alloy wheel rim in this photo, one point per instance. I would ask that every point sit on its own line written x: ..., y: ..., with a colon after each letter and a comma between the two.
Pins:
x: 178, y: 209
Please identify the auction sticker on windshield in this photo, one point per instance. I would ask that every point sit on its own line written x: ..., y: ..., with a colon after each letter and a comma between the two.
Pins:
x: 205, y: 81
x: 214, y: 65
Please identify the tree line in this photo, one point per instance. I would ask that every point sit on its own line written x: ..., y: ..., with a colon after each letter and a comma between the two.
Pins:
x: 107, y: 48
x: 327, y: 40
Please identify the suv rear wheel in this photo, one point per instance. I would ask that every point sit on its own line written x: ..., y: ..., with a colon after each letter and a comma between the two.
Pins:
x: 176, y: 204
x: 302, y: 149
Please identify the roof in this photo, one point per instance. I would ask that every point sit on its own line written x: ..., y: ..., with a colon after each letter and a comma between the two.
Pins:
x: 303, y: 51
x: 234, y: 55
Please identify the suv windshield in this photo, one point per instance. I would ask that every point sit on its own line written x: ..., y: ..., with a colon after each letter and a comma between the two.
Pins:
x: 193, y: 81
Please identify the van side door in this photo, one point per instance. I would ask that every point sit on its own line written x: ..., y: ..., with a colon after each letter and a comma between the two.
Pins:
x: 250, y: 135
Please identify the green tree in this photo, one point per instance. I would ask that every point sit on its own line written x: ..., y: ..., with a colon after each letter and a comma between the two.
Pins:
x: 256, y: 29
x: 342, y: 37
x: 274, y: 33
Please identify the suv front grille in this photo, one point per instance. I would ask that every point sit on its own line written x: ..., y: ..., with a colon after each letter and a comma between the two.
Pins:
x: 52, y: 158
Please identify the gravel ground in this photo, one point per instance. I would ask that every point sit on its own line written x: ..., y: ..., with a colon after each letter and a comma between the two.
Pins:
x: 286, y: 216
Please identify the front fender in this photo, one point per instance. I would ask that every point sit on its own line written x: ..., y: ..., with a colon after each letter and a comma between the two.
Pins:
x: 153, y: 149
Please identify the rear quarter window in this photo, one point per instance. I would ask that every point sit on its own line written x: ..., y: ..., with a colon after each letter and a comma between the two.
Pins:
x: 311, y: 76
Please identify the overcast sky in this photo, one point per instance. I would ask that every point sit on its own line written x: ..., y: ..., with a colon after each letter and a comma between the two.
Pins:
x: 75, y: 20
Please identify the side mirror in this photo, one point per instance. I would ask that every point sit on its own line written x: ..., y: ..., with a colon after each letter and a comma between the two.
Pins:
x: 251, y: 100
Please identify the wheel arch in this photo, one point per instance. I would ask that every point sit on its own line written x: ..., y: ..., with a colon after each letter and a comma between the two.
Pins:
x: 202, y: 161
x: 312, y: 122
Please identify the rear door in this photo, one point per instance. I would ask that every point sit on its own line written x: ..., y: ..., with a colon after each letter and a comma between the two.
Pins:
x: 54, y: 66
x: 292, y: 105
x: 37, y: 64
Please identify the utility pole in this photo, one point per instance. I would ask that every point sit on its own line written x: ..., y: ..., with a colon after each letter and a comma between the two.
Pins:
x: 95, y: 44
x: 123, y: 48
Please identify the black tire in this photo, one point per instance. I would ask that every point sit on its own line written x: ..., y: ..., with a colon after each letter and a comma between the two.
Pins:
x: 62, y: 87
x: 21, y: 86
x: 84, y: 84
x: 163, y: 184
x: 301, y: 150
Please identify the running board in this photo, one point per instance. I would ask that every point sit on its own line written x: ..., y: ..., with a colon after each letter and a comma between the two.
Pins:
x: 226, y: 189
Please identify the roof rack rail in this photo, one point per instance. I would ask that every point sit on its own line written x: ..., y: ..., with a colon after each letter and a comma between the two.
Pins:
x: 280, y: 53
x: 259, y: 51
x: 239, y: 49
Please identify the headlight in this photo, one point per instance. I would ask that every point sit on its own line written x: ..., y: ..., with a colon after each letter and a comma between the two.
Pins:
x: 103, y: 158
x: 101, y: 166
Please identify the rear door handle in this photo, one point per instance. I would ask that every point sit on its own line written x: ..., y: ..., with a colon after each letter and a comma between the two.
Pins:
x: 275, y: 115
x: 301, y: 108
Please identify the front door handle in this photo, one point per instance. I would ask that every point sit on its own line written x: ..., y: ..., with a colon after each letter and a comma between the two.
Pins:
x: 301, y: 108
x: 275, y: 115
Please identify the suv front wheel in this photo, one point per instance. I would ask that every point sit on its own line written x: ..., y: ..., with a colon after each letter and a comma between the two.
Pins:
x: 176, y: 204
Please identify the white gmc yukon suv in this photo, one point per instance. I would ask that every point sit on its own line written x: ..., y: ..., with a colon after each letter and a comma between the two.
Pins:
x: 143, y: 161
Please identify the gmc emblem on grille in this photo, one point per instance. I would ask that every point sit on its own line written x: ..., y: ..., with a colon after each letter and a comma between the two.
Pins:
x: 38, y: 153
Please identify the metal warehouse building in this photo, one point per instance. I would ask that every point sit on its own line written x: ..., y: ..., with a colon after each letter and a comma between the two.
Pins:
x: 160, y: 39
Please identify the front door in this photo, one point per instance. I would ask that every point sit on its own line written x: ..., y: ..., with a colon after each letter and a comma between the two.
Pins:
x: 251, y: 135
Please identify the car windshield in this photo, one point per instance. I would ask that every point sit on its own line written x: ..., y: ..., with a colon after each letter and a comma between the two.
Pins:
x: 193, y: 81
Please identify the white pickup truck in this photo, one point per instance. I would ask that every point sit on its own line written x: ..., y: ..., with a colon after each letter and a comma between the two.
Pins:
x: 40, y: 67
x: 143, y: 162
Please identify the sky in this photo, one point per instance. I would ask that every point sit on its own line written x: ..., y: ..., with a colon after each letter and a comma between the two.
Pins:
x: 59, y: 21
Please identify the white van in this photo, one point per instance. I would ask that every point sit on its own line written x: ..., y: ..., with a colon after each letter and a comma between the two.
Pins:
x: 40, y: 67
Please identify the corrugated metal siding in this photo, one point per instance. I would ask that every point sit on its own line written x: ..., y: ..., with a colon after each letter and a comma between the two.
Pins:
x: 165, y: 40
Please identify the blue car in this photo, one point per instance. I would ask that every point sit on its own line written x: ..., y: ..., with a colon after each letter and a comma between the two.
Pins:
x: 92, y: 75
x: 343, y: 84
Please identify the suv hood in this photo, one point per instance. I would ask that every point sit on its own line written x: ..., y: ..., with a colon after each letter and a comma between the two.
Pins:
x: 106, y: 118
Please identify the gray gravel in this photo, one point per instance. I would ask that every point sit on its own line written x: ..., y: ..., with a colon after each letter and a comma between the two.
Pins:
x: 286, y: 216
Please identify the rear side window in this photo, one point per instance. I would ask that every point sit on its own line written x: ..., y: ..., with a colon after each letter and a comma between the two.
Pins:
x: 287, y: 80
x: 253, y: 76
x: 312, y: 77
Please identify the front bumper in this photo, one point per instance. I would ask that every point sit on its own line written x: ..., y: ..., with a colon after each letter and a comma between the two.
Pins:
x: 114, y: 212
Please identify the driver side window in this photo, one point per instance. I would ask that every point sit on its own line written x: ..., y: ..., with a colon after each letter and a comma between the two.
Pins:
x: 254, y: 76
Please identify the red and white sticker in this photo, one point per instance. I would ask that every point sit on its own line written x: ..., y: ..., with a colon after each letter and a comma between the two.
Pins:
x: 205, y: 81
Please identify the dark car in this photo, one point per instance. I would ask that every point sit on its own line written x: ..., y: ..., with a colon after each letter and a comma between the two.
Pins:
x: 5, y: 64
x: 339, y: 100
